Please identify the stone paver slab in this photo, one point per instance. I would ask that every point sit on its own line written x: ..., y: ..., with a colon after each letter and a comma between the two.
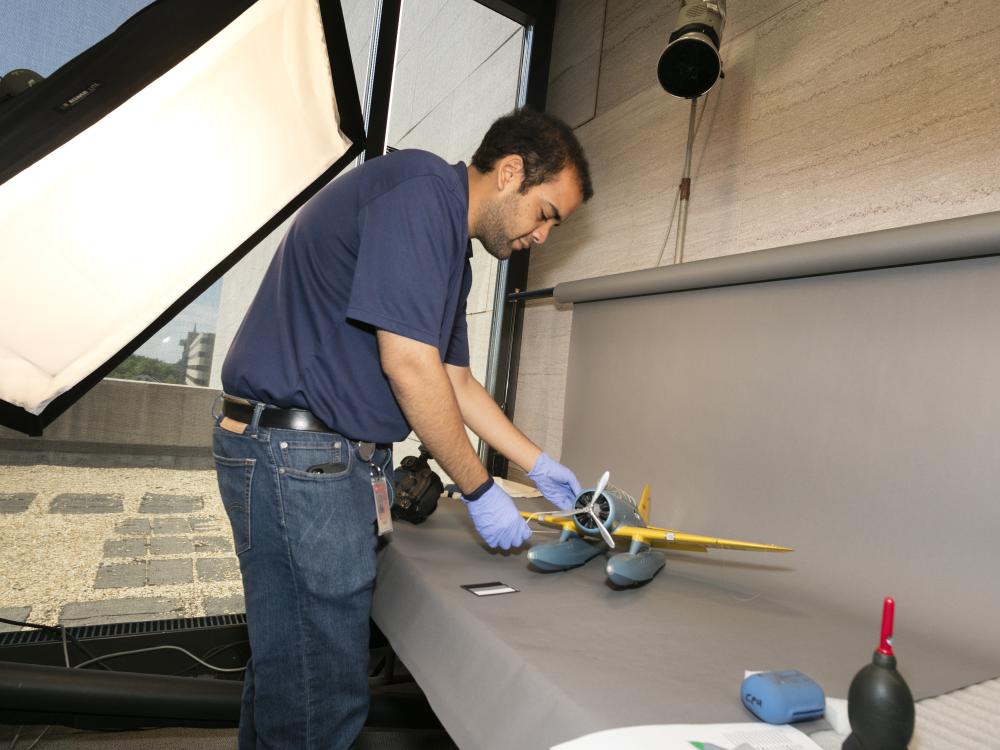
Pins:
x: 75, y: 502
x: 121, y: 575
x: 125, y: 548
x: 217, y: 569
x: 171, y: 526
x: 16, y: 502
x: 206, y: 525
x: 152, y: 503
x: 165, y: 572
x: 134, y: 527
x: 214, y: 544
x: 170, y: 545
x: 225, y: 605
x: 134, y: 609
x: 14, y: 613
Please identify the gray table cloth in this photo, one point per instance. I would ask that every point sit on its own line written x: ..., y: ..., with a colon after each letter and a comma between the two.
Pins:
x: 568, y: 655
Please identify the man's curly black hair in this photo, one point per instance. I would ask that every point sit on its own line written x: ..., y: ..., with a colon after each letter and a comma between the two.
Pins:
x: 546, y: 144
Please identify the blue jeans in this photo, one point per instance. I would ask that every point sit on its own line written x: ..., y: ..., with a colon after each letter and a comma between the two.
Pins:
x: 306, y: 545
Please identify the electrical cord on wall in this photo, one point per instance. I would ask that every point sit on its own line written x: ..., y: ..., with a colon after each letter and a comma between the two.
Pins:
x: 64, y: 634
x: 670, y: 226
x: 213, y: 652
x: 98, y: 659
x: 13, y: 742
x: 673, y: 208
x: 160, y: 648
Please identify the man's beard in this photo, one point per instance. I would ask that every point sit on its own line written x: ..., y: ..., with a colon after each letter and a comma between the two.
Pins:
x: 492, y: 231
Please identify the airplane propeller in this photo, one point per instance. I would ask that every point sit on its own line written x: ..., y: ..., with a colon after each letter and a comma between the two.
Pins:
x: 588, y: 508
x: 593, y: 501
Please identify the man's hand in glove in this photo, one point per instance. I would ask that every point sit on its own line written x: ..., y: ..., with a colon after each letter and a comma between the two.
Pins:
x: 555, y: 481
x: 497, y: 519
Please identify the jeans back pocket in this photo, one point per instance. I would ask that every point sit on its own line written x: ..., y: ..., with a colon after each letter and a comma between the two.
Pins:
x: 235, y: 480
x: 315, y: 459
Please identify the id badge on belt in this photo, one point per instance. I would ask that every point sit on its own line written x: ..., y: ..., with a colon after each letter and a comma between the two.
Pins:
x: 380, y: 489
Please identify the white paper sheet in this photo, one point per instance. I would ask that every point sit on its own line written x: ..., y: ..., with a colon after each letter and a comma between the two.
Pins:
x: 751, y: 736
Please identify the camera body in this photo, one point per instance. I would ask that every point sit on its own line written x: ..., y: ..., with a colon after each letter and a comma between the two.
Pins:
x: 417, y: 488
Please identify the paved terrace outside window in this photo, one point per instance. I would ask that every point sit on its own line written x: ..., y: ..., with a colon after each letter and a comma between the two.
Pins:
x: 88, y: 546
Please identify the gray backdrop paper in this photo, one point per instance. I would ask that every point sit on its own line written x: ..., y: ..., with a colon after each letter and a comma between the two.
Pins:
x: 855, y: 417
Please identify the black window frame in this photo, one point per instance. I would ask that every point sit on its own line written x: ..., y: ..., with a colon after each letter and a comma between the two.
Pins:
x: 538, y: 19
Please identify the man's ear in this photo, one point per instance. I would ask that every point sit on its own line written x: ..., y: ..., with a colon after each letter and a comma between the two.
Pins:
x: 509, y: 170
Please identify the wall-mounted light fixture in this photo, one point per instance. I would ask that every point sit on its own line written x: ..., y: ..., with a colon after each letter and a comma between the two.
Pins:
x: 690, y: 65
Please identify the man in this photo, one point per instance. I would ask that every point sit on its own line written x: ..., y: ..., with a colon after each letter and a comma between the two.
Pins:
x: 356, y: 335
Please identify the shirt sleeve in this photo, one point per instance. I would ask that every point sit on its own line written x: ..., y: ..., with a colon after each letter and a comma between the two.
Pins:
x: 406, y: 259
x: 458, y: 345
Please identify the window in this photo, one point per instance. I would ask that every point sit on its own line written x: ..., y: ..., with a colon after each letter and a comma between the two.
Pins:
x: 115, y: 515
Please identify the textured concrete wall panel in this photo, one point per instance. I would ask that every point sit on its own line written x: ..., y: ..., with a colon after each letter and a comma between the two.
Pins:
x: 128, y: 412
x: 831, y: 121
x: 576, y: 60
x: 541, y: 384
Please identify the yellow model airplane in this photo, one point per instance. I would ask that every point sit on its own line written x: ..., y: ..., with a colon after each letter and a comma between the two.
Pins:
x: 609, y: 512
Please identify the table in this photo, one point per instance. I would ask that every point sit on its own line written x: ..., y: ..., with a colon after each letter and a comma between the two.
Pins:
x: 568, y: 655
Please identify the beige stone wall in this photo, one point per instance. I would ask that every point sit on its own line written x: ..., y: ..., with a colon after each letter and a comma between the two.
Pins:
x: 832, y: 120
x: 123, y: 423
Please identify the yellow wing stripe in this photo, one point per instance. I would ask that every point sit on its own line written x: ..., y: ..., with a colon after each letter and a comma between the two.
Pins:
x: 675, y: 539
x: 669, y: 538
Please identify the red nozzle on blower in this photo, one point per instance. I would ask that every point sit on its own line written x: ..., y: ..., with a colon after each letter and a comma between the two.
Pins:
x: 879, y: 702
x: 885, y: 642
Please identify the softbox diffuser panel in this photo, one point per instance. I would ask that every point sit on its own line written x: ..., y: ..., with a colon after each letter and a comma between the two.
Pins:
x: 156, y: 195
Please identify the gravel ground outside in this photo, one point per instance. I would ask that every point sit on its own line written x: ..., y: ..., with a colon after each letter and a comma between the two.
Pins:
x: 49, y: 560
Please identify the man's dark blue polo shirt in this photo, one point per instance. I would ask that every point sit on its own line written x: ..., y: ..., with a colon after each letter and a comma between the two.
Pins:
x: 384, y: 246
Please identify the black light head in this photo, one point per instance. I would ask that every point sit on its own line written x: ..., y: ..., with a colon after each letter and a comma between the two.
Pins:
x: 690, y: 65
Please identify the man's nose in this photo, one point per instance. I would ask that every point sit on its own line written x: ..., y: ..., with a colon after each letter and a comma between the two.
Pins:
x: 541, y: 234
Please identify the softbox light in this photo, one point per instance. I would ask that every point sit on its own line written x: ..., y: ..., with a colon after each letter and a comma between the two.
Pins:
x: 139, y: 172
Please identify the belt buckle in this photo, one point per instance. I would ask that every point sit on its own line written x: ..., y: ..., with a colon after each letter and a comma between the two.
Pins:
x: 366, y: 451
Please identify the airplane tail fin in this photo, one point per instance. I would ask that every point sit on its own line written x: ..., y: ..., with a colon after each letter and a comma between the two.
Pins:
x: 644, y: 503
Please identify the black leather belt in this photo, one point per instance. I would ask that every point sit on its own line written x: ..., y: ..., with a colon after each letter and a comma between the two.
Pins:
x: 290, y: 419
x: 273, y: 416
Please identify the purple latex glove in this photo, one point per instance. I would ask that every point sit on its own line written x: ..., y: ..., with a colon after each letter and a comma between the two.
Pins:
x: 497, y: 520
x: 555, y: 481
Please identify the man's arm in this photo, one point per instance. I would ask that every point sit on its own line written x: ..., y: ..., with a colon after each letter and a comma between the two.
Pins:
x: 426, y: 395
x: 481, y: 413
x: 556, y: 482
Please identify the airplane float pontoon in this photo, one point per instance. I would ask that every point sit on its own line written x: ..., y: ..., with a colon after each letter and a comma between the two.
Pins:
x: 608, y: 512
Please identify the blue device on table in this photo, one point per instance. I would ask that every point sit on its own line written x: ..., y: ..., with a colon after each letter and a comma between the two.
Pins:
x: 782, y: 697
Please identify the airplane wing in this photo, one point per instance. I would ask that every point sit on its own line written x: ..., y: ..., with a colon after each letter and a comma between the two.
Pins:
x: 678, y: 540
x: 566, y: 524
